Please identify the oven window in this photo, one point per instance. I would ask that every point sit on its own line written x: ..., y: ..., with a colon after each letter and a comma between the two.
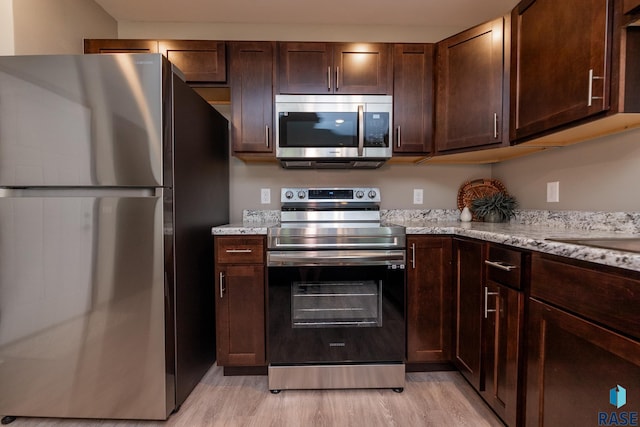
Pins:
x: 336, y: 304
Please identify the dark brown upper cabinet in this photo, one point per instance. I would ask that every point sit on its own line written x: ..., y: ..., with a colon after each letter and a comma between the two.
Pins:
x: 334, y: 68
x: 413, y: 98
x: 200, y: 60
x: 562, y: 63
x: 251, y: 81
x: 120, y: 46
x: 472, y: 89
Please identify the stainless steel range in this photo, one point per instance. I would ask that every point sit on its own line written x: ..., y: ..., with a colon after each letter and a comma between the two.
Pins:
x: 336, y: 279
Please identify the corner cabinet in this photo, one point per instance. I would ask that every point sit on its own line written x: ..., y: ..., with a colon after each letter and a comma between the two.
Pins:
x: 429, y: 294
x: 583, y: 341
x: 472, y: 95
x: 413, y: 98
x: 240, y: 301
x: 561, y: 63
x: 469, y: 258
x: 251, y: 81
x: 334, y: 68
x: 489, y: 323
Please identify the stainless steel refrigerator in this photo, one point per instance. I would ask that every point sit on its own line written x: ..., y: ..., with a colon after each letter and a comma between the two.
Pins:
x: 112, y: 173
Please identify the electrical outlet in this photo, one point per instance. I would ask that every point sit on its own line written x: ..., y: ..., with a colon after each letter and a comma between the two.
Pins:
x: 265, y: 196
x: 417, y: 196
x: 553, y: 192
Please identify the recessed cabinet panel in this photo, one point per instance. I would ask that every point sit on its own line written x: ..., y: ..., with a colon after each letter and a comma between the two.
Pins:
x: 251, y: 77
x: 470, y: 89
x: 199, y: 60
x: 562, y: 69
x: 429, y: 293
x: 413, y: 98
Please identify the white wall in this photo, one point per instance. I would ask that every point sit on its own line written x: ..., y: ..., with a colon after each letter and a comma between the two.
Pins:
x: 598, y: 175
x: 58, y: 26
x: 6, y: 28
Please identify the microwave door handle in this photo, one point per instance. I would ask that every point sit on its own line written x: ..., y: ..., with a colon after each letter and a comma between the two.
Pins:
x: 360, y: 130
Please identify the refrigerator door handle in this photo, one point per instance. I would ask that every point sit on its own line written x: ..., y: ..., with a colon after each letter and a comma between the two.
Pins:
x: 7, y: 192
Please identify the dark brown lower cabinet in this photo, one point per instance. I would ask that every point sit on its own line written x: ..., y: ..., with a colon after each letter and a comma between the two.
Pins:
x: 429, y: 306
x: 501, y: 352
x: 240, y: 301
x: 489, y: 325
x: 573, y: 365
x: 469, y: 256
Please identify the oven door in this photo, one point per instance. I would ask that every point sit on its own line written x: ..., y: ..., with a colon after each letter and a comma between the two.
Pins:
x: 337, y: 307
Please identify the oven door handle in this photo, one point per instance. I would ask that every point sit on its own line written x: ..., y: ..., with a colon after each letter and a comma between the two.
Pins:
x: 336, y: 257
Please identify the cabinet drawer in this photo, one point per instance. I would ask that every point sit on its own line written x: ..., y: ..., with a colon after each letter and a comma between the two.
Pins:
x: 603, y: 294
x: 506, y: 266
x: 239, y: 250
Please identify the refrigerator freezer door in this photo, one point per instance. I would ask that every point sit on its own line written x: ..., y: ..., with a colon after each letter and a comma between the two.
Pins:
x: 82, y: 307
x: 84, y: 120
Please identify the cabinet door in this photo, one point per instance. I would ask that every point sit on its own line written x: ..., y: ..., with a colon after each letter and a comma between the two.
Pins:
x: 572, y: 366
x: 120, y: 46
x: 469, y: 109
x: 429, y: 299
x: 560, y: 61
x: 362, y: 68
x: 251, y: 78
x: 201, y: 61
x: 469, y: 262
x: 305, y: 68
x: 240, y: 325
x: 502, y: 330
x: 413, y: 98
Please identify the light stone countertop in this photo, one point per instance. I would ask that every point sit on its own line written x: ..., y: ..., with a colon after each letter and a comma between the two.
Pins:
x: 530, y: 237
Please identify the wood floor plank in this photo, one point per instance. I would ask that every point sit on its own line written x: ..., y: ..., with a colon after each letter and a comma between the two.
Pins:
x: 435, y: 399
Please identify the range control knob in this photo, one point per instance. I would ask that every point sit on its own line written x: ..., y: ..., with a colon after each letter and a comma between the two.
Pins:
x: 359, y: 194
x: 301, y: 194
x: 289, y: 194
x: 372, y: 194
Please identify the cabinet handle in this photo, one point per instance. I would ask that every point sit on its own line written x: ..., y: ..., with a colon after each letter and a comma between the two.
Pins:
x: 413, y: 256
x: 500, y: 265
x: 239, y: 251
x: 337, y: 78
x: 487, y: 294
x: 360, y: 130
x: 398, y: 139
x: 266, y: 135
x: 591, y: 79
x: 222, y: 288
x: 329, y: 79
x: 495, y: 125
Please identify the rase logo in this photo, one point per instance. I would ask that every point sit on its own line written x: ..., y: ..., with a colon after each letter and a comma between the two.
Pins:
x: 618, y: 398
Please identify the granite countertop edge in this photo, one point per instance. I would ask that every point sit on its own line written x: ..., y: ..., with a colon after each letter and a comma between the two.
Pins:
x: 529, y: 237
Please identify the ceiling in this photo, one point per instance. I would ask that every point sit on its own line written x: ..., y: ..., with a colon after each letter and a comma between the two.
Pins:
x: 437, y: 13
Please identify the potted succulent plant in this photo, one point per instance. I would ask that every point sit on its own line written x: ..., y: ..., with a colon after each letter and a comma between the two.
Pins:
x: 496, y: 207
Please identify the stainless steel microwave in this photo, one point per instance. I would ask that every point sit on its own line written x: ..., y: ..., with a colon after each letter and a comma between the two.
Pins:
x: 333, y: 131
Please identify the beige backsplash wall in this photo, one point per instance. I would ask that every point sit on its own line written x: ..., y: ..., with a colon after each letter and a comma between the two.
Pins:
x: 396, y: 182
x: 598, y: 175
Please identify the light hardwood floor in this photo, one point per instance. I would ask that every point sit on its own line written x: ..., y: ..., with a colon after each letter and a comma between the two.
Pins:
x: 439, y: 399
